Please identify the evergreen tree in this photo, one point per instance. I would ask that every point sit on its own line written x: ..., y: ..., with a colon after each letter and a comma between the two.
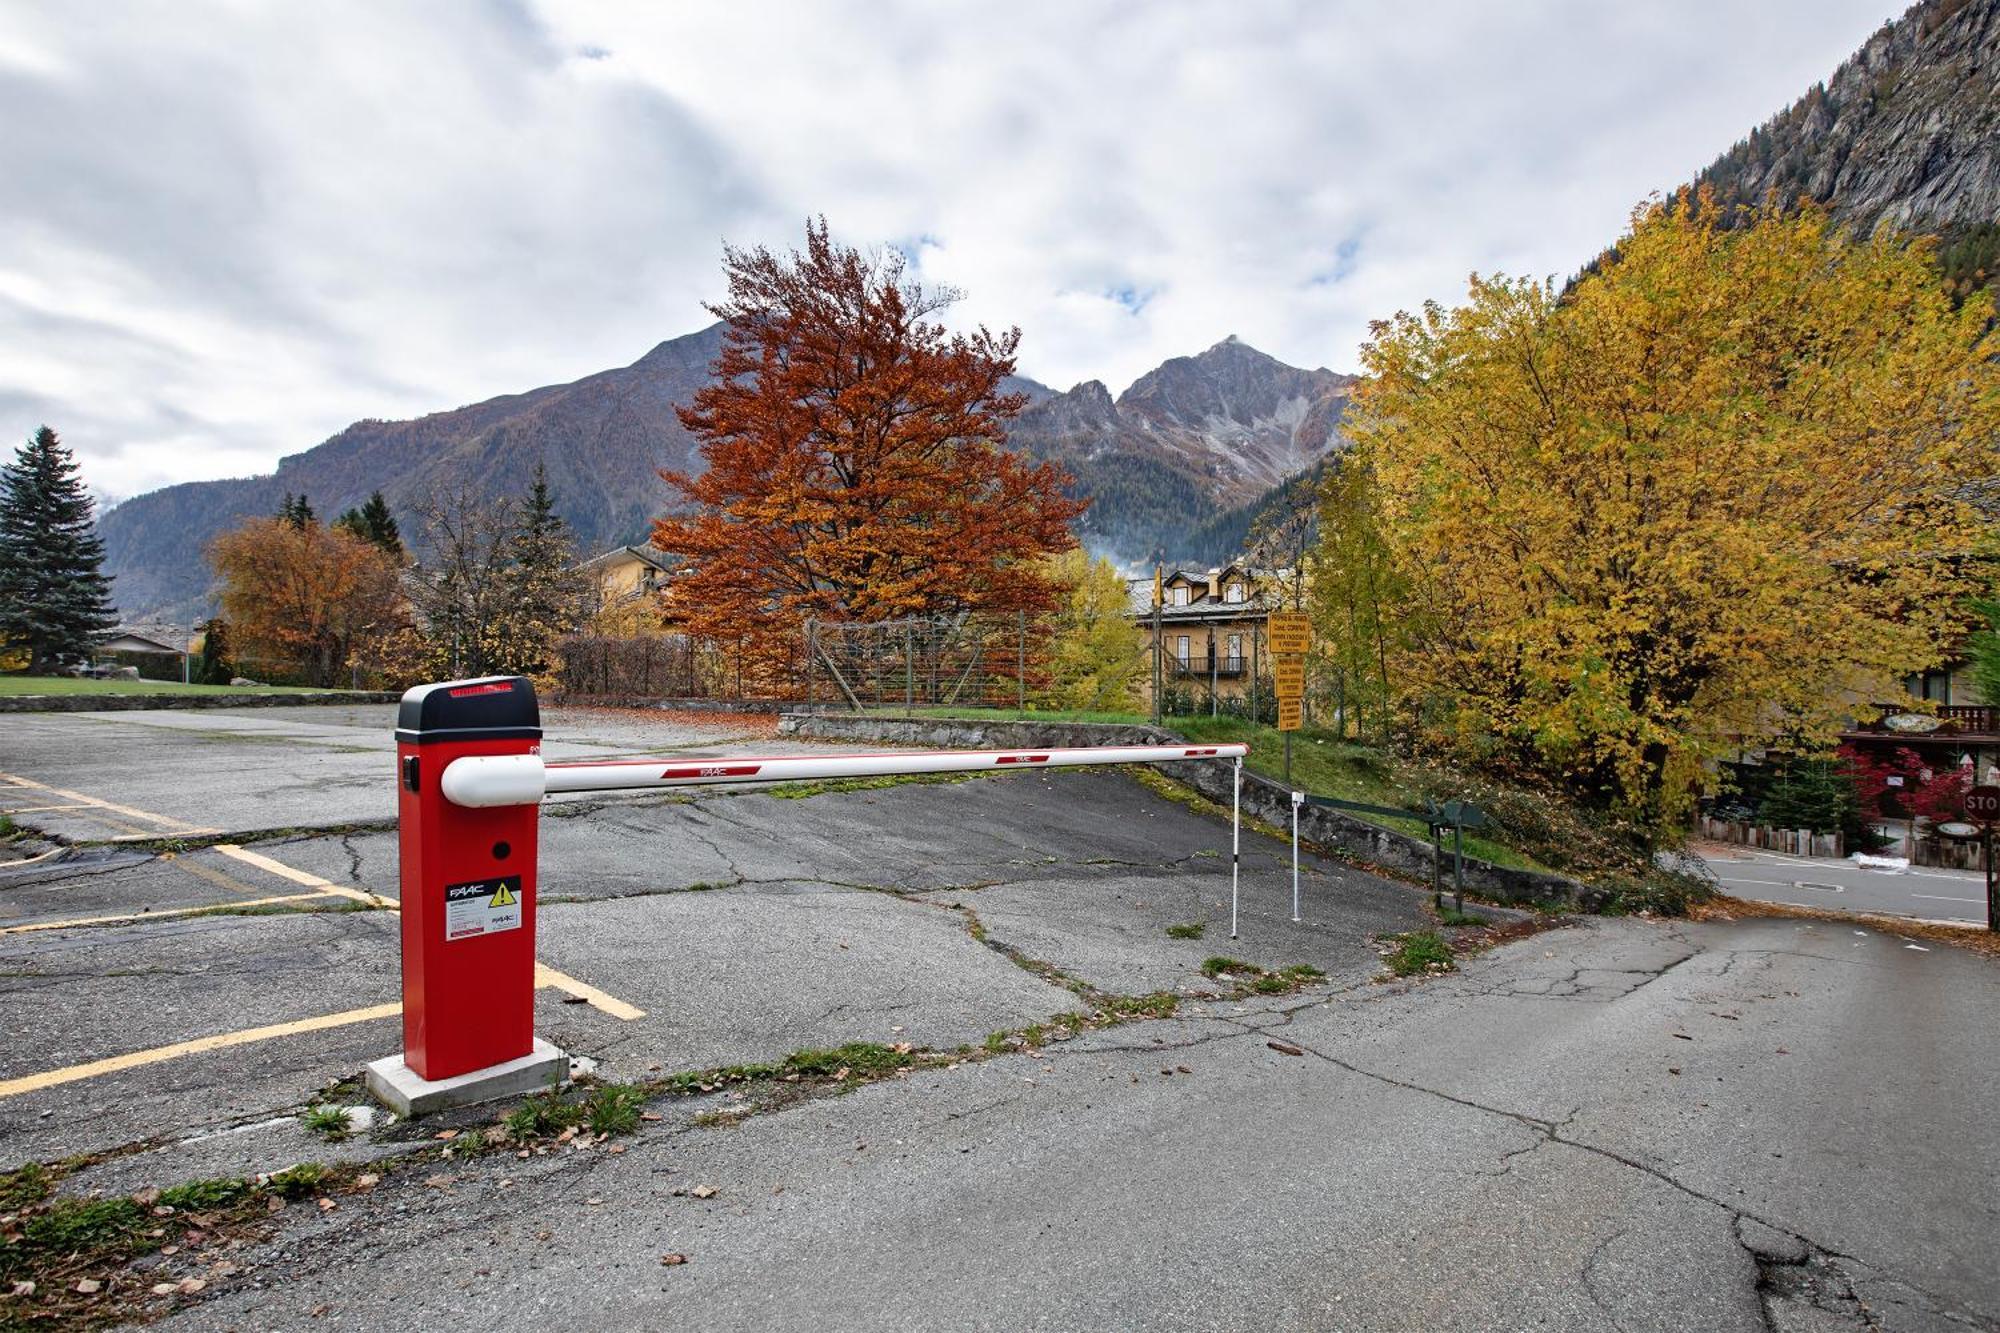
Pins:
x: 295, y: 511
x: 373, y: 522
x: 214, y: 666
x: 55, y: 601
x: 543, y: 603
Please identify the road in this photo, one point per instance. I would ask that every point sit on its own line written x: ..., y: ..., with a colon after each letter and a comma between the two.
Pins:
x: 1841, y: 886
x: 1609, y: 1125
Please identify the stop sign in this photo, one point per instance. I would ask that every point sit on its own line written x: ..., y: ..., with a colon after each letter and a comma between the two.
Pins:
x: 1983, y: 804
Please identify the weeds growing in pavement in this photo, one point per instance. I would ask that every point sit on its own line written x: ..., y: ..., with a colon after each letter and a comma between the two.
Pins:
x: 1189, y: 930
x: 332, y: 1123
x: 1418, y: 951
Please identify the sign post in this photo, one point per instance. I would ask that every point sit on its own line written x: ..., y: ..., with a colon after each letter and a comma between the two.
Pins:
x: 1291, y: 636
x: 1982, y: 805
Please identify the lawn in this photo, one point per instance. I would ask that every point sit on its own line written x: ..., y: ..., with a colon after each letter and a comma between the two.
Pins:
x: 11, y: 684
x: 1322, y: 764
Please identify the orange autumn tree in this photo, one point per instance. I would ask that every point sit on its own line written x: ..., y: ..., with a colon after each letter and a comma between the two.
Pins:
x: 857, y: 461
x: 299, y: 593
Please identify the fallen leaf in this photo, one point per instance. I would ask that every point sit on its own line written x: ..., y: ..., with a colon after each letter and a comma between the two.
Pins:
x: 446, y: 1134
x: 1182, y: 1069
x: 327, y: 1205
x: 592, y: 1202
x: 28, y: 1288
x: 704, y: 1191
x: 1285, y: 1048
x: 147, y: 1197
x: 1673, y: 1069
x: 85, y: 1287
x: 190, y: 1285
x: 170, y: 1249
x: 1684, y: 1036
x: 575, y: 999
x: 615, y: 1149
x: 367, y: 1180
x: 649, y: 1115
x: 438, y: 1182
x: 672, y: 1260
x: 165, y: 1288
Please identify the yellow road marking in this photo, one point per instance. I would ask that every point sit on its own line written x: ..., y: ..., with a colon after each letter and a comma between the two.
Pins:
x: 213, y: 876
x: 156, y: 916
x: 13, y: 1087
x: 283, y: 871
x: 179, y: 825
x: 40, y: 809
x: 546, y: 976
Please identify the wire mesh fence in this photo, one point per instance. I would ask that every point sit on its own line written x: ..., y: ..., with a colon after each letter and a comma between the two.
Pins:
x: 656, y: 666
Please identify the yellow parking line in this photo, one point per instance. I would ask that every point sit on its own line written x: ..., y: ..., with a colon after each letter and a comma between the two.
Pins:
x: 213, y: 876
x: 283, y: 871
x: 156, y: 916
x: 13, y: 1087
x: 546, y: 976
x: 179, y: 825
x: 41, y: 809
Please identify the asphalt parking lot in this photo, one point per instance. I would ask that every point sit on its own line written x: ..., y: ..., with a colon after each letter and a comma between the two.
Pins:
x: 1607, y: 1125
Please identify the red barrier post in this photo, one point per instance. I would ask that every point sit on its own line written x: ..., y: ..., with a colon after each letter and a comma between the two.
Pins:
x: 468, y: 881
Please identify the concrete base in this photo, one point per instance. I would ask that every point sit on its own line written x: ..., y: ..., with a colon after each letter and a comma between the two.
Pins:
x: 398, y: 1087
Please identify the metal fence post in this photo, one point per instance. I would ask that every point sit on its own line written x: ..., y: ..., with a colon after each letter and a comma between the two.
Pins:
x: 812, y: 630
x: 909, y: 669
x: 1021, y: 662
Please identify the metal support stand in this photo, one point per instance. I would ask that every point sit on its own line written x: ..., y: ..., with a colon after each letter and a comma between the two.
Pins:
x: 1298, y: 799
x: 1458, y: 868
x: 1235, y: 842
x: 1992, y: 884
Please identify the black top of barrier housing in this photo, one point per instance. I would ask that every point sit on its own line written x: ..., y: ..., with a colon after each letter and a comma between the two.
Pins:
x: 489, y: 708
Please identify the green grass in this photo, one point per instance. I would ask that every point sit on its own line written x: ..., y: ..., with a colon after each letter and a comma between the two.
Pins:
x: 1188, y: 930
x: 329, y: 1122
x: 11, y: 684
x: 1325, y: 765
x: 613, y: 1109
x: 1322, y: 763
x: 1418, y: 951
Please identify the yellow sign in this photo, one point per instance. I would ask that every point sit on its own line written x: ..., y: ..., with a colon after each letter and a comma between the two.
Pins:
x: 1290, y: 675
x: 504, y: 898
x: 1291, y: 714
x: 1156, y: 587
x: 1289, y: 632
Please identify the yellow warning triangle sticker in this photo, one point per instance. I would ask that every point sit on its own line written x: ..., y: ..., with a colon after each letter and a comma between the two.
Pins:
x: 504, y: 898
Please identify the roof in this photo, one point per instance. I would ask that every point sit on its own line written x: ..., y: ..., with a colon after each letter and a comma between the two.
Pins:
x: 1208, y: 606
x: 650, y: 555
x: 144, y: 639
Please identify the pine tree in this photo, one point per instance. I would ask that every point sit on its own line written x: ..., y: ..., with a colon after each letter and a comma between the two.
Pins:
x: 543, y: 603
x: 55, y: 601
x: 295, y: 511
x: 214, y: 667
x: 373, y: 522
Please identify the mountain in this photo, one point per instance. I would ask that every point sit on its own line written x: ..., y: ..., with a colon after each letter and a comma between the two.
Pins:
x: 603, y: 437
x: 1906, y: 131
x: 1186, y: 441
x: 1196, y: 437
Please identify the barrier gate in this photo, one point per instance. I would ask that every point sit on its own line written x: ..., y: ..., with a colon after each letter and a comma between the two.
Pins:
x: 470, y: 780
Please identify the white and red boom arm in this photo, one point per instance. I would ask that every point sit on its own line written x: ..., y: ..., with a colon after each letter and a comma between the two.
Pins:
x: 523, y: 779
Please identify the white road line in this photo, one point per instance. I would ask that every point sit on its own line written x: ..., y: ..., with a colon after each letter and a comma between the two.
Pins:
x: 1941, y: 898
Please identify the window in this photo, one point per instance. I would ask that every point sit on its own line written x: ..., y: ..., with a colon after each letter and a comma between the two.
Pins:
x: 1235, y: 649
x: 1183, y: 646
x: 1177, y: 595
x: 1233, y: 593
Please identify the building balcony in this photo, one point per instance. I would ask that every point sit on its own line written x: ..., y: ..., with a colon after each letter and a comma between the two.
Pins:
x: 1951, y: 722
x: 1201, y: 668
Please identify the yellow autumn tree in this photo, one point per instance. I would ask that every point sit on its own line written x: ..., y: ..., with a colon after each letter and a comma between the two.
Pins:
x: 1099, y: 654
x: 1713, y: 492
x: 305, y: 595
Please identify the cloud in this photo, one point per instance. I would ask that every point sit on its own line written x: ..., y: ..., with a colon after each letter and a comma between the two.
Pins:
x: 231, y: 229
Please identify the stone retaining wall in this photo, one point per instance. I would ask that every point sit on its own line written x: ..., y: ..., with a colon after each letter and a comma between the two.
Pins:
x: 1263, y: 797
x: 107, y: 703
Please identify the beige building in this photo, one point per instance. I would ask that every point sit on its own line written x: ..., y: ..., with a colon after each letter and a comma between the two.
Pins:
x: 624, y: 582
x: 1211, y: 630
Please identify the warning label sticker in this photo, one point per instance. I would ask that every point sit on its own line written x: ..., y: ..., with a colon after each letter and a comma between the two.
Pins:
x: 482, y: 907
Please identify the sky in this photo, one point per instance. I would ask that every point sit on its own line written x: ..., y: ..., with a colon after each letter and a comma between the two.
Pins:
x: 231, y: 227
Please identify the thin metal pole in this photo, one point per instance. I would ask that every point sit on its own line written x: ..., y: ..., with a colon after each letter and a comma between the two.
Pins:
x: 1235, y: 842
x: 1298, y: 799
x: 909, y: 669
x: 1158, y: 646
x: 1458, y: 867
